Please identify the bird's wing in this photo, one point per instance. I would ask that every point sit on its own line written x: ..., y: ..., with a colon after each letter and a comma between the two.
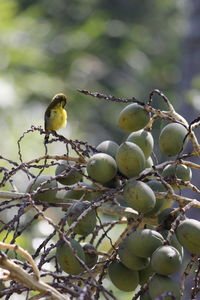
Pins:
x: 46, y: 117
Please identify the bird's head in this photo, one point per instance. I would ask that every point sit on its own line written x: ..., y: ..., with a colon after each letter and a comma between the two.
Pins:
x: 60, y: 98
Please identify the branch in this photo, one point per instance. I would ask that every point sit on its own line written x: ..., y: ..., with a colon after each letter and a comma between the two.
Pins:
x: 23, y: 277
x: 24, y: 254
x: 118, y: 210
x: 180, y: 199
x: 57, y: 157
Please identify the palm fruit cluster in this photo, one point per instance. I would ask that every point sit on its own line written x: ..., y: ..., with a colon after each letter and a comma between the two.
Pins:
x: 147, y: 254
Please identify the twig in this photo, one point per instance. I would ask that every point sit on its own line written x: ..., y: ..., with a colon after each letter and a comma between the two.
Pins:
x: 23, y: 277
x: 24, y: 254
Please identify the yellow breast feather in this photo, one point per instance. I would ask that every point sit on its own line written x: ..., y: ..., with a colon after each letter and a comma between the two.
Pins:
x: 57, y: 119
x: 55, y: 115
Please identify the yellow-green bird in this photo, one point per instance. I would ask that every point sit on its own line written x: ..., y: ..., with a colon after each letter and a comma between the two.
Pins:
x: 55, y: 116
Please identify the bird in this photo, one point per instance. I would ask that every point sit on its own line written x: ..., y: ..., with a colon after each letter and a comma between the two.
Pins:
x: 55, y: 116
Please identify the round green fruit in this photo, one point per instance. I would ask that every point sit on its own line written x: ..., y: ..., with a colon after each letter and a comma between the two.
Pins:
x: 143, y: 242
x: 188, y: 235
x: 167, y: 204
x: 72, y: 194
x: 130, y: 260
x: 48, y: 196
x: 166, y: 260
x: 160, y: 284
x: 173, y: 242
x: 70, y: 173
x: 108, y: 147
x: 130, y: 159
x: 146, y: 296
x: 123, y: 278
x: 112, y: 184
x: 91, y: 192
x: 156, y: 186
x: 101, y: 167
x: 143, y: 139
x: 81, y: 190
x: 149, y: 163
x: 171, y: 139
x: 90, y: 258
x: 145, y: 274
x: 179, y: 171
x: 67, y: 259
x: 139, y: 196
x: 87, y: 224
x: 133, y: 117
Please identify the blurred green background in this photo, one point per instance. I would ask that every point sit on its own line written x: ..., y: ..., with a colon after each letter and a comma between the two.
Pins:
x: 123, y: 48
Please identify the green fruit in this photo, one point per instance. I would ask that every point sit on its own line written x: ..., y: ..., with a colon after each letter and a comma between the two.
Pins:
x: 130, y: 159
x: 139, y: 196
x: 133, y: 117
x: 149, y: 163
x: 90, y: 258
x: 88, y: 192
x: 67, y: 259
x: 173, y: 242
x: 130, y: 260
x: 48, y: 196
x: 69, y: 197
x: 91, y: 192
x: 166, y: 260
x: 108, y: 147
x: 167, y: 204
x: 188, y: 235
x: 171, y: 172
x: 72, y: 194
x: 143, y: 242
x: 123, y: 278
x: 112, y: 183
x: 81, y: 190
x: 146, y: 296
x: 160, y: 284
x: 156, y: 186
x: 145, y: 274
x: 70, y: 173
x: 85, y: 194
x: 143, y: 139
x: 171, y: 139
x: 87, y: 224
x: 101, y: 167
